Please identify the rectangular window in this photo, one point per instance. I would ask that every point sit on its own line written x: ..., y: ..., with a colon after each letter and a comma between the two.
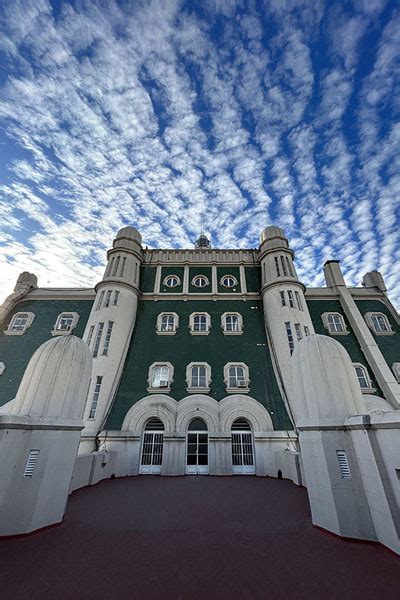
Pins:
x: 200, y: 323
x: 107, y: 338
x: 379, y: 323
x: 199, y: 377
x: 100, y: 300
x: 167, y: 323
x: 110, y: 268
x: 90, y: 335
x: 362, y: 377
x: 108, y: 298
x: 283, y: 298
x: 99, y: 333
x: 122, y: 266
x: 291, y: 299
x: 278, y: 273
x: 232, y: 323
x: 116, y: 297
x: 160, y: 376
x: 306, y: 331
x: 343, y: 464
x: 298, y: 300
x: 289, y: 266
x: 235, y: 375
x: 19, y: 323
x: 335, y: 322
x: 31, y: 462
x: 299, y: 333
x: 283, y: 264
x: 116, y: 265
x: 95, y: 398
x: 289, y: 336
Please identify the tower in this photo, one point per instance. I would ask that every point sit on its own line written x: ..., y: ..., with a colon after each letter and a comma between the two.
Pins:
x: 285, y: 309
x: 110, y: 326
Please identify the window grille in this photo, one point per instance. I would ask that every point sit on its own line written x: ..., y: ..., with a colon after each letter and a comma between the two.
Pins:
x: 95, y: 398
x: 278, y: 273
x: 99, y: 333
x: 111, y: 265
x: 283, y: 265
x: 291, y: 299
x: 123, y: 266
x: 100, y: 300
x: 298, y: 300
x: 289, y: 266
x: 283, y: 301
x: 108, y: 298
x: 116, y: 266
x: 31, y: 463
x: 343, y: 464
x: 108, y: 337
x: 19, y: 322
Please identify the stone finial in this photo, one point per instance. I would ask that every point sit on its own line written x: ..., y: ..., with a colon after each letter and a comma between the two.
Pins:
x: 25, y: 282
x: 325, y: 381
x: 56, y: 380
x: 374, y: 279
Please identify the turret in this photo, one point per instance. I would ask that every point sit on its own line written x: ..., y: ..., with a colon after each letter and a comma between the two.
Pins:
x: 286, y: 313
x: 110, y: 326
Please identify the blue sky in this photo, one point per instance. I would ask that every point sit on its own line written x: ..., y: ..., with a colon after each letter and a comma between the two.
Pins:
x: 159, y: 114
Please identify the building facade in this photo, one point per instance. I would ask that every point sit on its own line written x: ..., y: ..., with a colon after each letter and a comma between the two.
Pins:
x: 192, y: 352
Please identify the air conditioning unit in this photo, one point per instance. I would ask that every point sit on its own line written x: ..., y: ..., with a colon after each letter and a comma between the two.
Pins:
x: 163, y: 383
x: 242, y: 383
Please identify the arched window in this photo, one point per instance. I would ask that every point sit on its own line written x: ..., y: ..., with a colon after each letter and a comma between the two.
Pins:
x: 160, y: 377
x: 172, y: 281
x: 197, y: 448
x: 334, y: 323
x: 229, y: 281
x: 152, y: 447
x: 378, y: 323
x: 200, y: 281
x: 198, y: 377
x: 236, y: 377
x: 232, y: 323
x: 363, y: 378
x: 65, y: 323
x: 167, y: 323
x: 19, y: 323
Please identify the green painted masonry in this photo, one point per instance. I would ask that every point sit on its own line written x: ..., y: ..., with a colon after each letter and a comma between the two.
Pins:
x: 183, y: 348
x: 16, y: 350
x: 389, y: 345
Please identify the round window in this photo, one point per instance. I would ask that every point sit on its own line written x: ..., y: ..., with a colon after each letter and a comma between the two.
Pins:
x: 229, y: 281
x: 200, y: 281
x: 172, y: 281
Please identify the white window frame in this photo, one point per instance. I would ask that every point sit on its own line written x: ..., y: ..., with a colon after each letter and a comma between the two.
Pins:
x: 237, y: 389
x: 29, y: 320
x: 170, y: 380
x: 107, y: 339
x: 198, y: 389
x: 58, y: 331
x: 325, y: 319
x: 290, y: 296
x: 229, y: 287
x: 95, y: 397
x: 115, y: 297
x: 191, y: 323
x: 107, y: 299
x: 369, y: 318
x: 2, y: 367
x: 395, y: 369
x: 298, y: 300
x: 172, y: 286
x: 299, y: 333
x: 159, y: 323
x: 364, y: 390
x: 197, y: 278
x: 224, y: 324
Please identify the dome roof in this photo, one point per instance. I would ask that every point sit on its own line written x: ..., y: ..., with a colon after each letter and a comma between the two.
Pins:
x: 131, y: 233
x: 325, y: 381
x: 56, y: 380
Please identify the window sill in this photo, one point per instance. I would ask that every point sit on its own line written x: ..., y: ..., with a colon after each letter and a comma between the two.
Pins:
x: 368, y: 390
x: 238, y: 390
x: 61, y: 332
x: 199, y: 332
x: 383, y: 332
x: 232, y: 332
x: 198, y: 390
x: 338, y: 332
x: 165, y: 332
x: 6, y: 332
x: 159, y: 390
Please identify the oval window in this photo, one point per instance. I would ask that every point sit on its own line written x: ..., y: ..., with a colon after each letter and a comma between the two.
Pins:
x: 172, y: 281
x: 229, y: 281
x: 200, y: 281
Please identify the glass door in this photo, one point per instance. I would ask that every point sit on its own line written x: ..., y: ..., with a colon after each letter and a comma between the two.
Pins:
x: 242, y: 448
x: 197, y: 448
x: 152, y: 448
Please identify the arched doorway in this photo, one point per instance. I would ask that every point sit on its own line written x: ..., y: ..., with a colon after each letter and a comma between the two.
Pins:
x: 152, y: 447
x: 197, y: 448
x: 242, y: 448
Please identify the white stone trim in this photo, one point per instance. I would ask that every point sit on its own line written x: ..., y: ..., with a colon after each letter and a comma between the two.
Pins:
x: 237, y: 390
x: 223, y: 323
x: 157, y: 405
x: 364, y: 390
x: 198, y: 390
x: 186, y: 279
x: 29, y: 321
x: 172, y: 286
x: 2, y: 367
x: 75, y: 319
x: 197, y: 406
x: 368, y: 318
x: 229, y: 287
x: 196, y: 277
x: 160, y: 389
x: 396, y: 370
x: 191, y: 323
x: 159, y: 322
x: 237, y: 405
x: 324, y: 318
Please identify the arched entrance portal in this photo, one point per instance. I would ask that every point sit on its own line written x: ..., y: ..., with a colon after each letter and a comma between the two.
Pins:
x: 242, y: 448
x: 197, y: 448
x: 152, y: 447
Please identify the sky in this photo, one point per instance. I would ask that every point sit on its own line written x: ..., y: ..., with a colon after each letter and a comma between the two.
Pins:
x: 163, y: 114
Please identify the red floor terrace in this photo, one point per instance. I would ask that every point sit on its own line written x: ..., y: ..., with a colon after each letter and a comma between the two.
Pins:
x: 193, y: 538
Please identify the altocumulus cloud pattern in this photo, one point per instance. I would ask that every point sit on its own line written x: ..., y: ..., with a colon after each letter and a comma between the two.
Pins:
x: 162, y: 113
